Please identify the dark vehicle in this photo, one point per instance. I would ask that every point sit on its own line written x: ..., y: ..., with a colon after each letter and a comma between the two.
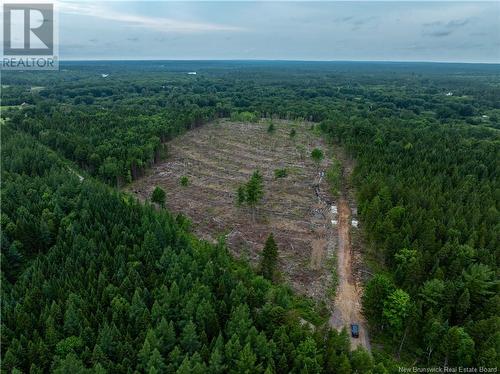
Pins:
x: 355, y: 330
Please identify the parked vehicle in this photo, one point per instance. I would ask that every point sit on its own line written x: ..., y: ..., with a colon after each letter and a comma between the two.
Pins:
x: 354, y: 330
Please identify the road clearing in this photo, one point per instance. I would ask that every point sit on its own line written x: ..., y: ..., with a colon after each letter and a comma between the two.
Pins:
x: 347, y: 306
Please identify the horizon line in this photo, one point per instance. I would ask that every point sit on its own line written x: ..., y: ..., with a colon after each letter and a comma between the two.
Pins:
x: 273, y: 60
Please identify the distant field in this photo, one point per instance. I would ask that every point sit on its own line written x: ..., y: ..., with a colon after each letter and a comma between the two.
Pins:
x: 217, y: 158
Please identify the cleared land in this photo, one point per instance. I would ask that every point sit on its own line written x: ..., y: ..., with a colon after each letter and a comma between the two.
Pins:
x: 309, y: 226
x: 219, y: 157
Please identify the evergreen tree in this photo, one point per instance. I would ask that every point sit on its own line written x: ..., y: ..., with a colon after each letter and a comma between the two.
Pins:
x: 458, y: 347
x: 216, y: 363
x: 271, y: 129
x: 317, y: 155
x: 246, y: 363
x: 361, y: 361
x: 241, y: 196
x: 376, y: 292
x: 155, y: 363
x: 269, y: 258
x: 189, y: 338
x: 158, y: 196
x: 344, y: 366
x: 251, y: 193
x: 308, y: 359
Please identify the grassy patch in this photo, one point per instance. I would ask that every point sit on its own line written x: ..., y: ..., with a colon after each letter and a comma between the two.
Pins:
x: 244, y: 117
x: 333, y: 177
x: 332, y: 266
x: 280, y: 173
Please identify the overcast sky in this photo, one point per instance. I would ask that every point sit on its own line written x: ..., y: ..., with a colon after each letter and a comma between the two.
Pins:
x: 286, y: 30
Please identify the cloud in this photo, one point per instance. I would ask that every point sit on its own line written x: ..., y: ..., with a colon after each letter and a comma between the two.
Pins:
x: 161, y: 24
x: 457, y: 23
x: 439, y: 34
x: 343, y: 19
x: 355, y: 22
x: 441, y: 29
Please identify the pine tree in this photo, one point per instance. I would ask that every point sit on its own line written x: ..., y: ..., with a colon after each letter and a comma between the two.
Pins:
x: 246, y: 363
x: 216, y: 363
x: 344, y: 365
x: 156, y: 363
x: 308, y: 359
x: 158, y: 196
x: 271, y: 128
x: 254, y: 191
x: 189, y: 338
x: 361, y: 361
x: 458, y: 347
x: 269, y: 258
x: 166, y: 335
x: 251, y: 193
x: 317, y: 155
x: 463, y: 304
x: 241, y: 196
x: 72, y: 320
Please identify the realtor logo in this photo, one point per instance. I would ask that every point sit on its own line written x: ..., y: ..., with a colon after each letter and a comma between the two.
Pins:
x: 29, y: 36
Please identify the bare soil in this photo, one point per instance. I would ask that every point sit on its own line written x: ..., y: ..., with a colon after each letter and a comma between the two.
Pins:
x: 219, y: 157
x: 347, y: 305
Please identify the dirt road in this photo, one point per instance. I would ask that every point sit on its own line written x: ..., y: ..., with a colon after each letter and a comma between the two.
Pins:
x: 347, y: 308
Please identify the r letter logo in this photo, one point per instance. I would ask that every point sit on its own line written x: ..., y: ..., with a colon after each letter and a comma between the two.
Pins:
x: 29, y: 36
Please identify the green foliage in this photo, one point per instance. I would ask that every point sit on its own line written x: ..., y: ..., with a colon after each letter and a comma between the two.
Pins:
x: 244, y: 117
x: 376, y: 292
x: 252, y: 192
x: 189, y: 338
x: 184, y: 181
x: 254, y: 189
x: 397, y: 307
x: 280, y: 173
x: 317, y: 155
x: 425, y: 186
x: 74, y: 253
x: 334, y: 177
x: 158, y: 196
x: 269, y: 258
x: 135, y: 293
x: 361, y: 361
x: 308, y: 358
x: 241, y: 195
x: 271, y: 129
x: 459, y: 347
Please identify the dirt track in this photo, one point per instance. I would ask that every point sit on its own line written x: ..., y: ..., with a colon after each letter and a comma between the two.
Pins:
x: 347, y: 307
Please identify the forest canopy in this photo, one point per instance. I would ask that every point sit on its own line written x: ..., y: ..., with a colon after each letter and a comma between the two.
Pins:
x: 93, y: 280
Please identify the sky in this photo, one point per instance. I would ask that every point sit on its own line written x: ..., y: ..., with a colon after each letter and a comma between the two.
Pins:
x: 450, y: 31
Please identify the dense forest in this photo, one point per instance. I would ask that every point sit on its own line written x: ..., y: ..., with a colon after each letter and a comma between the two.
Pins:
x: 94, y: 281
x: 429, y: 198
